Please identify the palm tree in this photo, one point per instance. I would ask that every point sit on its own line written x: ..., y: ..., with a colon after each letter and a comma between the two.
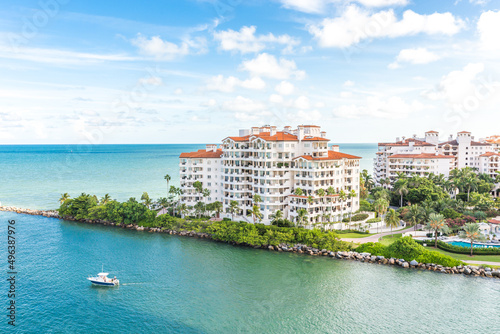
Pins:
x: 276, y: 216
x: 381, y: 206
x: 473, y: 233
x: 256, y: 213
x: 183, y: 209
x: 298, y: 192
x: 198, y: 186
x: 301, y: 216
x: 392, y: 219
x: 470, y: 183
x: 167, y: 178
x: 402, y: 189
x: 217, y: 206
x: 145, y: 199
x: 414, y: 215
x: 105, y: 199
x: 437, y: 223
x: 205, y: 192
x: 233, y: 208
x: 352, y: 194
x: 64, y: 197
x: 257, y: 199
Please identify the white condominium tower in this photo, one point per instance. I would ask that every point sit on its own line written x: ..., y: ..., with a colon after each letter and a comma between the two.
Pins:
x: 427, y: 155
x: 274, y: 164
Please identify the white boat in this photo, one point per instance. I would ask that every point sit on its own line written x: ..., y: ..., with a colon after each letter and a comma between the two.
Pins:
x: 103, y: 280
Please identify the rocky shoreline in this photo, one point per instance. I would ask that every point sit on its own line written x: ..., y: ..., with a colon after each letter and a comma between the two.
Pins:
x: 298, y: 248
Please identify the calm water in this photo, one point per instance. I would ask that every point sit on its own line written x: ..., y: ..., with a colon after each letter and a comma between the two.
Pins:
x: 175, y: 284
x: 183, y: 285
x: 35, y: 176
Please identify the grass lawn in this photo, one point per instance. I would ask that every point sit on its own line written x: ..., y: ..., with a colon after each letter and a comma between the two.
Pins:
x: 354, y: 235
x: 389, y: 239
x: 465, y: 257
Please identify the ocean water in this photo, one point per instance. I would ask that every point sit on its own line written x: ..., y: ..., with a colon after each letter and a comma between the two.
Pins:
x: 173, y: 284
x: 35, y: 176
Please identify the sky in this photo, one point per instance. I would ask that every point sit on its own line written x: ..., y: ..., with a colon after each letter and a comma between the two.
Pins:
x: 197, y: 71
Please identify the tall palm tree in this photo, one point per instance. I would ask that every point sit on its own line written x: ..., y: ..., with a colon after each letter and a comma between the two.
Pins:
x: 183, y: 209
x: 167, y: 178
x: 145, y: 199
x: 276, y: 216
x: 64, y: 197
x: 436, y: 223
x: 381, y: 206
x: 470, y: 183
x: 401, y: 188
x: 301, y: 216
x: 205, y: 192
x: 217, y: 206
x: 257, y: 199
x: 414, y: 215
x: 473, y: 233
x: 352, y: 194
x: 392, y: 219
x: 105, y: 199
x: 256, y: 213
x: 298, y: 192
x: 233, y: 208
x: 198, y: 186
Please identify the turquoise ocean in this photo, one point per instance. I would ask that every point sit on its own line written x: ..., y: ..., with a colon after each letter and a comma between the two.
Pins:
x: 173, y: 284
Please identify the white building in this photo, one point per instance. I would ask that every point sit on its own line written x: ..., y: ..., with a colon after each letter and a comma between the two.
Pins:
x: 273, y: 164
x: 427, y: 155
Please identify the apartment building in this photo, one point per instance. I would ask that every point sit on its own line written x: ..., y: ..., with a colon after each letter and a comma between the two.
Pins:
x: 273, y: 164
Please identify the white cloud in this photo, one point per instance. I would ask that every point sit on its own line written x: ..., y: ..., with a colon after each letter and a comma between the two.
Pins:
x: 285, y: 88
x: 178, y: 91
x: 458, y: 87
x: 245, y: 40
x: 165, y: 50
x: 319, y: 6
x: 414, y: 56
x: 355, y: 25
x: 242, y: 104
x: 488, y: 27
x: 151, y: 81
x: 266, y: 65
x: 227, y: 85
x: 345, y: 95
x: 302, y: 102
x: 209, y: 103
x: 275, y: 98
x: 479, y: 2
x: 374, y: 106
x: 348, y: 83
x: 313, y: 115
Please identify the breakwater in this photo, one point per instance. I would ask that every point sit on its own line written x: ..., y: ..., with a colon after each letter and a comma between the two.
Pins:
x: 297, y: 248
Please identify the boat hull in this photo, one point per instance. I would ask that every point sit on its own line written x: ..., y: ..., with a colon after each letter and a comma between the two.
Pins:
x: 102, y: 283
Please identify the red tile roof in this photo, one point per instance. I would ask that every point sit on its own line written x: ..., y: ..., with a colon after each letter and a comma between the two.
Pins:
x: 464, y: 132
x: 490, y: 154
x: 406, y: 142
x: 455, y: 143
x: 279, y: 136
x: 202, y: 154
x: 421, y: 156
x: 432, y: 132
x: 494, y: 221
x: 332, y: 155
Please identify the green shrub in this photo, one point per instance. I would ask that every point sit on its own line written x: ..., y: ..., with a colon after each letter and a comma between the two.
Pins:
x: 373, y: 220
x: 373, y: 248
x: 438, y: 258
x: 356, y: 218
x: 225, y: 219
x: 405, y: 248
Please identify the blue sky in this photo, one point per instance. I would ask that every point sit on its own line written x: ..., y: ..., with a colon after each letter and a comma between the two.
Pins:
x: 196, y: 71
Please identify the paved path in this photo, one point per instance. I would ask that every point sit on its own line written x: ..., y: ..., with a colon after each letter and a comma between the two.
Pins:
x: 482, y: 262
x: 375, y: 237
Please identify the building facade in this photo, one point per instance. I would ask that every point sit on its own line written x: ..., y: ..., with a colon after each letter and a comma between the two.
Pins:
x: 423, y: 156
x: 274, y: 164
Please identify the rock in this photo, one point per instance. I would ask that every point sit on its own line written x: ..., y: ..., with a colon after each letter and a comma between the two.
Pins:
x: 467, y: 271
x: 366, y: 254
x: 405, y: 265
x: 413, y: 263
x: 270, y: 247
x: 391, y: 261
x: 380, y: 257
x: 487, y: 269
x: 495, y: 273
x: 373, y: 258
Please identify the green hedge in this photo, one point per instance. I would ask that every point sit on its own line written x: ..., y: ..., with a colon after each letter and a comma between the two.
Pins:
x: 356, y: 218
x: 406, y: 248
x: 461, y: 250
x: 373, y: 220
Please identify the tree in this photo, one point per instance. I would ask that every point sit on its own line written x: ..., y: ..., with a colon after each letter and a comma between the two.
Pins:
x: 256, y: 214
x: 198, y: 186
x: 183, y: 209
x: 233, y: 208
x: 352, y: 194
x: 146, y: 200
x: 381, y: 205
x: 301, y: 216
x: 276, y: 216
x: 414, y: 215
x: 167, y: 178
x: 64, y: 197
x: 199, y: 208
x: 217, y: 206
x: 401, y: 188
x: 392, y: 219
x: 105, y: 199
x: 437, y: 223
x: 473, y: 233
x: 298, y: 192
